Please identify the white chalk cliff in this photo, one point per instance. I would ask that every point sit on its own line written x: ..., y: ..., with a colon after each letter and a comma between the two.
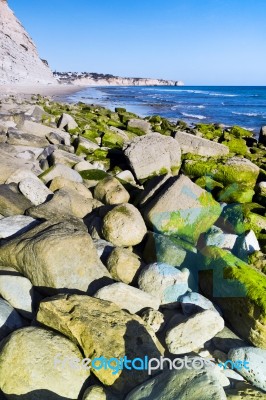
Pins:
x: 94, y: 79
x: 19, y: 59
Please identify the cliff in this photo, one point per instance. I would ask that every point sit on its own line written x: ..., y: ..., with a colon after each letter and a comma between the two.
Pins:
x: 19, y: 59
x: 94, y: 79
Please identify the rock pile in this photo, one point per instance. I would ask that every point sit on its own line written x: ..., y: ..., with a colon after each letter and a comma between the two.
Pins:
x: 132, y: 256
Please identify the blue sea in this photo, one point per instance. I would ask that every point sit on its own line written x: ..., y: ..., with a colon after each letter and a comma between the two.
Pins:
x: 229, y: 105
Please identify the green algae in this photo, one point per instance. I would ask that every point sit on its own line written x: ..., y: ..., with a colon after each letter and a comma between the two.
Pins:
x: 93, y: 174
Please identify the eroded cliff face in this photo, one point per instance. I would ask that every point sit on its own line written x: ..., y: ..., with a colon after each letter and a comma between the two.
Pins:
x: 19, y: 59
x: 93, y: 79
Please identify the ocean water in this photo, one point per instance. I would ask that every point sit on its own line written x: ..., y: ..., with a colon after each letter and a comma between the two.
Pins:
x: 229, y: 105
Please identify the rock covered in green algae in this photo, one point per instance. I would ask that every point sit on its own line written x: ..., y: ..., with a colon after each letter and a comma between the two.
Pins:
x: 239, y: 290
x: 233, y: 170
x: 183, y: 209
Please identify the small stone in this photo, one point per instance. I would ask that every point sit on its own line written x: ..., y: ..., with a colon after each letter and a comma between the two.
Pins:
x: 123, y: 265
x: 61, y: 183
x: 154, y: 318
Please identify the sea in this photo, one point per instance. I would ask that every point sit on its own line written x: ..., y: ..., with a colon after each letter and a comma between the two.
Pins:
x: 229, y: 105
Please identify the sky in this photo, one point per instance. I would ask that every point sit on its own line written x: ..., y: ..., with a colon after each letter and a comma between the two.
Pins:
x: 201, y: 42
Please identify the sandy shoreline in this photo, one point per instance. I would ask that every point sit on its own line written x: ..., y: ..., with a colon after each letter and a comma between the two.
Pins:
x: 44, y: 90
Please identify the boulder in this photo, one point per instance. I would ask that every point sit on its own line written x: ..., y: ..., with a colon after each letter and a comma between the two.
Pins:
x: 124, y: 226
x: 196, y: 145
x: 10, y: 320
x: 25, y: 139
x: 153, y: 154
x: 56, y: 256
x: 66, y: 122
x: 32, y: 366
x: 11, y: 201
x: 193, y: 302
x: 122, y: 264
x: 16, y: 225
x: 164, y: 282
x: 21, y: 174
x: 111, y: 191
x: 62, y: 171
x: 216, y: 237
x: 256, y: 367
x: 9, y: 164
x: 35, y: 190
x: 17, y: 291
x: 59, y: 138
x: 183, y: 209
x: 138, y: 126
x: 65, y: 202
x: 238, y: 289
x: 262, y: 136
x: 244, y: 390
x: 127, y: 297
x: 102, y: 329
x: 235, y: 170
x: 193, y: 332
x: 226, y: 340
x: 61, y: 183
x: 65, y: 158
x: 184, y: 384
x: 85, y: 146
x: 169, y: 250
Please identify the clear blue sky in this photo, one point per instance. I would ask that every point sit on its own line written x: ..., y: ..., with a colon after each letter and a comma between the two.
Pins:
x: 202, y: 42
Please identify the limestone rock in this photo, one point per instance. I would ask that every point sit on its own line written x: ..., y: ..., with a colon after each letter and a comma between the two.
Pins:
x: 10, y: 320
x: 62, y: 171
x: 59, y: 138
x: 196, y: 145
x: 123, y: 265
x: 32, y: 366
x: 35, y: 190
x: 164, y: 282
x: 57, y: 256
x: 127, y: 297
x: 193, y: 332
x: 97, y: 393
x: 17, y: 291
x: 256, y: 371
x: 65, y: 158
x: 184, y: 384
x: 16, y: 225
x: 65, y: 202
x: 193, y: 302
x: 153, y: 154
x: 67, y: 122
x: 11, y: 201
x: 183, y: 209
x: 102, y: 328
x: 139, y: 126
x: 25, y: 139
x: 154, y: 318
x: 124, y: 226
x: 111, y: 191
x: 60, y: 183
